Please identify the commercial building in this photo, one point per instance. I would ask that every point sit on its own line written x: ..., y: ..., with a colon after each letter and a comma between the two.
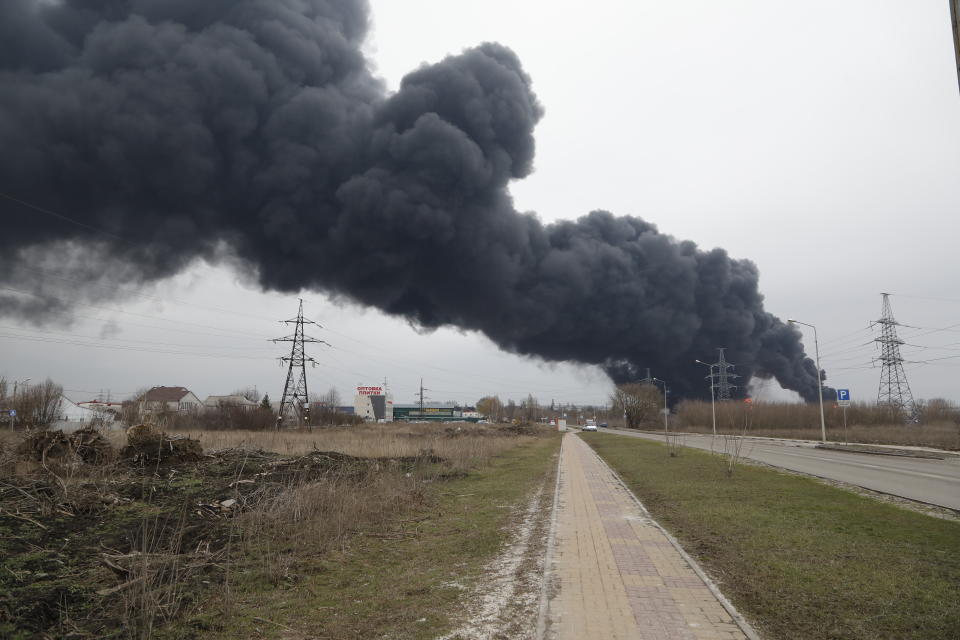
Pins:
x: 435, y: 413
x: 373, y: 403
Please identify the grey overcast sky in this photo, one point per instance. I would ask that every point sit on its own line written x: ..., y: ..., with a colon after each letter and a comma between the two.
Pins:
x: 819, y: 139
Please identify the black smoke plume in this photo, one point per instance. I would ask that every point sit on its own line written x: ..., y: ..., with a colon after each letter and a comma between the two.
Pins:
x: 254, y: 131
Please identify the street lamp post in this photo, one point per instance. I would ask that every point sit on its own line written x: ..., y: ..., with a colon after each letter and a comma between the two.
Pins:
x: 713, y: 406
x: 666, y: 410
x: 816, y: 346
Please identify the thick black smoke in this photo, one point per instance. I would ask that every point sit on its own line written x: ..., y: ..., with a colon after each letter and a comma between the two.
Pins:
x: 253, y: 130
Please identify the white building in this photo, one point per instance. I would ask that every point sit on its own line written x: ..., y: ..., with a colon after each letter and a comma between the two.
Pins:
x: 216, y: 402
x: 169, y: 399
x: 77, y: 415
x: 103, y: 407
x: 373, y: 403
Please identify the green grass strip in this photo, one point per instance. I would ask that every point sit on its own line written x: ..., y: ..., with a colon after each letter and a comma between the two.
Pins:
x: 799, y: 558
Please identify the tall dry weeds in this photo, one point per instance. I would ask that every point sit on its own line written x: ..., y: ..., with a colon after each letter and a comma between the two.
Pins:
x: 278, y: 518
x: 461, y: 446
x: 867, y: 424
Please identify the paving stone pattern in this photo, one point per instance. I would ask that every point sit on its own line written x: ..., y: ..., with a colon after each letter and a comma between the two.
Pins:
x: 618, y: 574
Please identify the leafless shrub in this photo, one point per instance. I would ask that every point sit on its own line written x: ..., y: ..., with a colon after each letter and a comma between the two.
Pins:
x: 37, y: 405
x: 734, y: 443
x: 675, y: 443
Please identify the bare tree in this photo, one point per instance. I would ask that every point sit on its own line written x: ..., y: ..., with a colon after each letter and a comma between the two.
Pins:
x: 530, y: 409
x: 38, y: 405
x: 510, y: 411
x: 250, y: 393
x: 323, y: 408
x: 640, y: 403
x: 490, y: 407
x: 332, y: 398
x: 131, y: 410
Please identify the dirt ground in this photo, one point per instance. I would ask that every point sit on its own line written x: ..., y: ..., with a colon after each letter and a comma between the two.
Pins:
x: 122, y: 543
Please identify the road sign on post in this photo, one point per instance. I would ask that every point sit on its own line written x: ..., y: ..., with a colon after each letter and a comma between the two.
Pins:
x: 843, y: 397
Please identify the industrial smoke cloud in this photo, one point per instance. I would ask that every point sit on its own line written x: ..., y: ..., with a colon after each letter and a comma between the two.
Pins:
x: 253, y: 130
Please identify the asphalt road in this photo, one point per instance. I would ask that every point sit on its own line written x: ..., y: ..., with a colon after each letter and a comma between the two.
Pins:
x: 932, y: 481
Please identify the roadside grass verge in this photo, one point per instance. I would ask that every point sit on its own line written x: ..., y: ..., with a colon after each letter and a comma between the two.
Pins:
x: 409, y: 577
x: 800, y: 559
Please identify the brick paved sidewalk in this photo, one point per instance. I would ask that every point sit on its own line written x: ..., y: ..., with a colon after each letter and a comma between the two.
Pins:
x: 618, y: 575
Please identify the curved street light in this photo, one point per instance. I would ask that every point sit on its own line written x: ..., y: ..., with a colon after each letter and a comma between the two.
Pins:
x: 816, y: 346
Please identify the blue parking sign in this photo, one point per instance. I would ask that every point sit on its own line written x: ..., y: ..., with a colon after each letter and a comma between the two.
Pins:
x: 843, y: 395
x: 13, y: 413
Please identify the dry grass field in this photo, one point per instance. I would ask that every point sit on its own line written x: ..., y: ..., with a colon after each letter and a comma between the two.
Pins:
x: 865, y: 423
x: 144, y: 543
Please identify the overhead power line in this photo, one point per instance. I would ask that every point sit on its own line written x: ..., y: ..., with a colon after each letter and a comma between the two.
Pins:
x: 130, y: 313
x: 60, y: 216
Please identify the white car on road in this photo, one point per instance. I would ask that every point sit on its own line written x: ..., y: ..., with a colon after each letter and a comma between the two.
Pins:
x: 591, y: 425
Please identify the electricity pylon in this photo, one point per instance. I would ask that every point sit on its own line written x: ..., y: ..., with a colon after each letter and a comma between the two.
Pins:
x: 724, y: 376
x: 894, y: 390
x: 422, y: 397
x: 295, y: 396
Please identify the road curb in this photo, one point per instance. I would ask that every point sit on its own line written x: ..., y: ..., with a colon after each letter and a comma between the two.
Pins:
x: 711, y: 585
x: 896, y: 453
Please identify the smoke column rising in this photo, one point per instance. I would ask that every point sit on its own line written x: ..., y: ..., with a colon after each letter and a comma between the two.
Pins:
x: 253, y: 131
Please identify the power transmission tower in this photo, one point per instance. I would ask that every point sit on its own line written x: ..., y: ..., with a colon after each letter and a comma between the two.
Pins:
x: 422, y: 389
x: 295, y: 397
x: 724, y: 376
x: 894, y: 390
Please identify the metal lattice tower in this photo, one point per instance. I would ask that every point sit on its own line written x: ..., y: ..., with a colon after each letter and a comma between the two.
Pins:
x: 724, y: 376
x: 295, y: 399
x: 422, y: 397
x: 894, y: 390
